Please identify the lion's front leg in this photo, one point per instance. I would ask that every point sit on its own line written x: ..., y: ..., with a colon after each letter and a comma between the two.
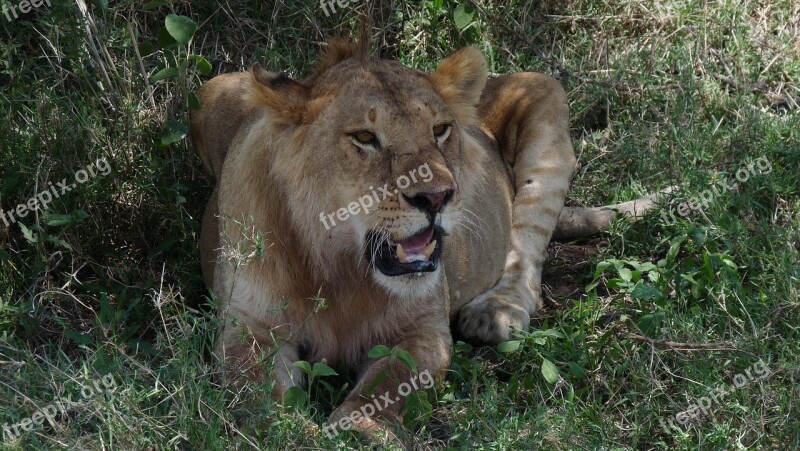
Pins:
x: 250, y: 355
x: 527, y: 113
x: 375, y: 405
x: 255, y: 341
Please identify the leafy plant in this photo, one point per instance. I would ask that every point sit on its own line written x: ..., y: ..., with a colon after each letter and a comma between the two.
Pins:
x: 180, y: 65
x: 465, y: 20
x: 693, y: 271
x: 536, y: 342
x: 393, y: 354
x: 36, y: 234
x: 296, y: 397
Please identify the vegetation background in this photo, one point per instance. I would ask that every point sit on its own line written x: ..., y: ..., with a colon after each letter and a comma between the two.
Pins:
x: 641, y: 322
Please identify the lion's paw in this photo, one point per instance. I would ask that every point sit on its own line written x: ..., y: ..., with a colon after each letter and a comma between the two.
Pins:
x: 490, y: 318
x: 379, y: 429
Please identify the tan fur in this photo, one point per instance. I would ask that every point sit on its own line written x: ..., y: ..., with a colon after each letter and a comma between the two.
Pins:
x: 281, y: 154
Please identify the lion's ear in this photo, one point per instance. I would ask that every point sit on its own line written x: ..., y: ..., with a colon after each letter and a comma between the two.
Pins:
x: 285, y: 98
x: 460, y: 80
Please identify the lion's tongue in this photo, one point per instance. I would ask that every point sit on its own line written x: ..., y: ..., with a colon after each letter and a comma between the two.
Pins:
x: 416, y: 248
x: 417, y: 242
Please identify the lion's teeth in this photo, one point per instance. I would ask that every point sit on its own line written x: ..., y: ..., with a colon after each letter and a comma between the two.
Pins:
x: 428, y: 251
x: 401, y: 253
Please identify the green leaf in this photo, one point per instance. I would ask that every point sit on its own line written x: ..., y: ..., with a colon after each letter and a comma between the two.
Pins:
x: 650, y: 322
x: 194, y: 102
x: 320, y: 369
x: 28, y: 234
x: 174, y: 131
x: 165, y: 40
x: 463, y: 15
x: 167, y: 72
x: 294, y: 398
x: 601, y: 267
x: 549, y: 371
x: 699, y: 235
x: 576, y: 370
x: 708, y: 268
x: 54, y: 220
x: 304, y: 366
x: 674, y: 248
x: 79, y: 338
x: 379, y: 351
x: 508, y: 346
x: 202, y: 64
x: 405, y: 357
x: 592, y: 285
x: 625, y: 274
x: 57, y: 220
x: 529, y: 382
x: 645, y: 292
x: 463, y: 348
x: 58, y: 242
x: 550, y: 333
x: 418, y: 409
x: 642, y: 267
x: 181, y: 28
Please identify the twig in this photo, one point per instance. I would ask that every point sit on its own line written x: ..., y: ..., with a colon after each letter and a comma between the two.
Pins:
x: 141, y: 66
x: 682, y: 346
x: 98, y: 59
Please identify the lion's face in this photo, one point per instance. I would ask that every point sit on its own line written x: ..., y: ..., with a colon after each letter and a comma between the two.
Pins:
x: 379, y: 165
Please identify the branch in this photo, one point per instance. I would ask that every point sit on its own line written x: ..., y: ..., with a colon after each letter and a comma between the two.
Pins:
x: 683, y: 346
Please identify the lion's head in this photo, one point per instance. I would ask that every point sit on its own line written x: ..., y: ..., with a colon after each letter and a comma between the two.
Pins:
x: 373, y: 159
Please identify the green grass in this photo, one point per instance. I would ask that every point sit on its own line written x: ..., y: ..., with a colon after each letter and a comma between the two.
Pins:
x: 106, y: 282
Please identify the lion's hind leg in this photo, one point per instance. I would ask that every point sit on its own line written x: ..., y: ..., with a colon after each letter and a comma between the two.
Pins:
x: 528, y: 115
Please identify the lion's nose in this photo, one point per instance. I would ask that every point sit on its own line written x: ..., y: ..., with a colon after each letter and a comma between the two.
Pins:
x: 430, y: 202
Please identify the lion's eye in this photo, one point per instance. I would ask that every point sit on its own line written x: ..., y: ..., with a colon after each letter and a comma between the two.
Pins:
x: 364, y: 137
x: 440, y: 130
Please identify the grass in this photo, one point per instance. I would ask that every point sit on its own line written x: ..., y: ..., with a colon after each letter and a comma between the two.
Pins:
x: 641, y: 323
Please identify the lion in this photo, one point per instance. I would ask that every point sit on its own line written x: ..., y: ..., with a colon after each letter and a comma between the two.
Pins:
x: 466, y: 178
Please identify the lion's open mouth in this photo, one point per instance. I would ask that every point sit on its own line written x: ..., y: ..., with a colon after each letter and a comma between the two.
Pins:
x: 417, y: 253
